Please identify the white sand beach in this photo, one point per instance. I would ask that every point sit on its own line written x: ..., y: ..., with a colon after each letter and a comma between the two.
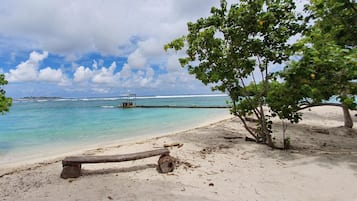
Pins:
x: 215, y: 163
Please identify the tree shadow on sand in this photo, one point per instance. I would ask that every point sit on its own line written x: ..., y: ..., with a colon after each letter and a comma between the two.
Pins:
x: 328, y: 146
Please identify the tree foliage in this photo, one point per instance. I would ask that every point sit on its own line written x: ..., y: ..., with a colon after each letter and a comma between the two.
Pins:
x: 336, y: 19
x: 327, y: 66
x: 236, y: 46
x: 5, y: 102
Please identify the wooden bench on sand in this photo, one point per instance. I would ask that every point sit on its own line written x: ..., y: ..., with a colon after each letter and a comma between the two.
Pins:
x: 72, y: 164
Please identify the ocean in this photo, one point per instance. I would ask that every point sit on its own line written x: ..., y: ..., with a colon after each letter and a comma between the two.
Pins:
x: 44, y: 127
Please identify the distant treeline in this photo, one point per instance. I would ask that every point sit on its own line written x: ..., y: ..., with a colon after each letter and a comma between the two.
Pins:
x: 40, y: 97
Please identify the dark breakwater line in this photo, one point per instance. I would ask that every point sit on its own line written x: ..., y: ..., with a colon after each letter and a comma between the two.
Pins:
x: 177, y: 106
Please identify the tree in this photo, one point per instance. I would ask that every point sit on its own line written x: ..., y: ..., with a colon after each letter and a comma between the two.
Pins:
x: 327, y: 66
x: 237, y: 46
x: 5, y: 102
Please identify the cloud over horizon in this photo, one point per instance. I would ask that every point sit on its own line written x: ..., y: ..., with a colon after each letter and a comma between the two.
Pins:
x: 107, y: 47
x: 74, y: 27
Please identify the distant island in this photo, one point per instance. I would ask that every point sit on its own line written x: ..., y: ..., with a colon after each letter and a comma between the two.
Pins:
x: 40, y: 98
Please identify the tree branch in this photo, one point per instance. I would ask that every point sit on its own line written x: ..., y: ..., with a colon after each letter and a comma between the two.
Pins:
x: 256, y: 111
x: 246, y: 126
x: 319, y: 104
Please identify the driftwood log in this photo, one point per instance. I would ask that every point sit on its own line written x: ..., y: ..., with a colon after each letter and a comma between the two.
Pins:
x: 72, y: 164
x: 178, y: 145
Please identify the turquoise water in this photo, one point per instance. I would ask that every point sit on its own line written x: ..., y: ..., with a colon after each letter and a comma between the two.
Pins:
x: 44, y: 126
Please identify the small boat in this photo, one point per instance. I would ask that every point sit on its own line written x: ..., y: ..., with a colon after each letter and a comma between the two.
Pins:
x: 129, y: 101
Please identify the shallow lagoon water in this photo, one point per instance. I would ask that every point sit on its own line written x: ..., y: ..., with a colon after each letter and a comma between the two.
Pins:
x: 40, y: 127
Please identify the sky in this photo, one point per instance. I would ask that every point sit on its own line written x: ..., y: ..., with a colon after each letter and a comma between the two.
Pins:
x: 96, y: 48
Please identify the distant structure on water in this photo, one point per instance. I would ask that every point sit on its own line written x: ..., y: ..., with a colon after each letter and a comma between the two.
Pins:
x: 129, y: 101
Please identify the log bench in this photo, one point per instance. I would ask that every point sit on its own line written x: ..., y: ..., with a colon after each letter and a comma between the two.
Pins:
x: 72, y: 164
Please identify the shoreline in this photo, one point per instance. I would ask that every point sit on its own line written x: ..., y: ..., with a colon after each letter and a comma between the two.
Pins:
x: 28, y: 162
x: 59, y: 154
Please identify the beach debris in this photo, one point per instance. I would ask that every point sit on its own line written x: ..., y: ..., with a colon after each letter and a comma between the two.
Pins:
x: 249, y: 139
x: 166, y: 164
x: 211, y: 184
x: 211, y: 173
x: 187, y: 165
x: 232, y: 137
x: 208, y: 150
x: 178, y: 145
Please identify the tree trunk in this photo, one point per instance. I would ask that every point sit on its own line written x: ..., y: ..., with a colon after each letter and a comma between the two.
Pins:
x: 264, y: 126
x: 270, y: 141
x: 347, y: 117
x: 346, y: 113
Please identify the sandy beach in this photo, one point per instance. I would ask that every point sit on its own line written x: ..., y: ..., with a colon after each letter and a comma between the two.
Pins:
x: 214, y: 163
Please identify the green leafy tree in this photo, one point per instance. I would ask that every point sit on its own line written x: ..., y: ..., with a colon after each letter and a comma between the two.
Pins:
x: 5, y: 102
x: 233, y: 50
x: 327, y: 66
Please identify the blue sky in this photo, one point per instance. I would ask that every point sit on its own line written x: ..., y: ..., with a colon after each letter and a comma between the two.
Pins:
x: 81, y: 48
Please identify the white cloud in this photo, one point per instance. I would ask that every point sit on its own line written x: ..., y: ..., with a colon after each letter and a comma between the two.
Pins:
x: 105, y: 80
x: 180, y: 80
x: 144, y: 79
x: 173, y: 65
x: 37, y: 57
x: 137, y: 60
x: 50, y: 75
x: 125, y: 72
x: 82, y: 74
x: 28, y: 70
x: 151, y: 47
x: 105, y: 75
x: 192, y: 9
